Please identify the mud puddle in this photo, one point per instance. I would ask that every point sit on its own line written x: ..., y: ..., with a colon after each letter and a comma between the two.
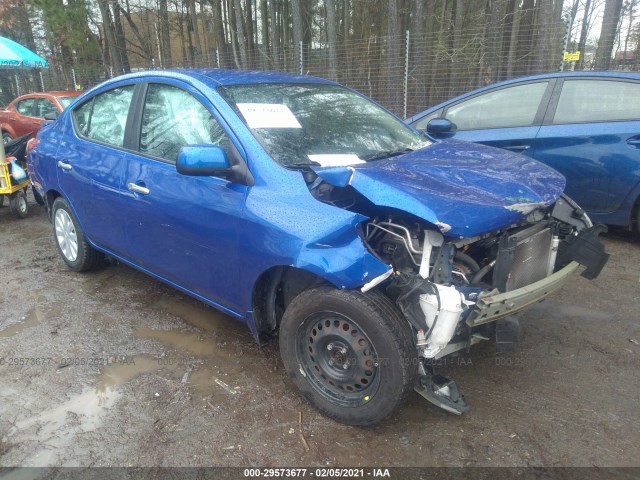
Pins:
x: 33, y: 318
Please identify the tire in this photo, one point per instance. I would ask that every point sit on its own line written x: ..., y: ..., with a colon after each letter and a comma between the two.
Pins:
x: 18, y: 204
x: 1, y: 200
x: 37, y: 197
x: 70, y: 240
x: 6, y: 137
x: 324, y: 329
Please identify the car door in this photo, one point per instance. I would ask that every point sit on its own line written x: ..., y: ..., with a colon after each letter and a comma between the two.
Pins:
x: 592, y: 136
x: 182, y: 228
x: 91, y: 159
x: 508, y: 117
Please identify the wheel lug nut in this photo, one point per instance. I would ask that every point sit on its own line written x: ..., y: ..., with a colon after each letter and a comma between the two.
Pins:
x: 331, y: 362
x: 345, y: 365
x: 343, y: 350
x: 330, y: 347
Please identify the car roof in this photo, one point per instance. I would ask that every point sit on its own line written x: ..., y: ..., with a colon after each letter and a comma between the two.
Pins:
x: 542, y: 76
x: 215, y: 76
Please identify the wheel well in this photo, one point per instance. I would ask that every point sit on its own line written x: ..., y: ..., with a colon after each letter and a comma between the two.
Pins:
x: 49, y: 198
x: 273, y: 292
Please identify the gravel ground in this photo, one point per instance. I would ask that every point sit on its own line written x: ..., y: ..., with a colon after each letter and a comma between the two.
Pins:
x: 113, y: 368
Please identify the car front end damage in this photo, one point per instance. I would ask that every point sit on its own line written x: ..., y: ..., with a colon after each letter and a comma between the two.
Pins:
x: 456, y: 292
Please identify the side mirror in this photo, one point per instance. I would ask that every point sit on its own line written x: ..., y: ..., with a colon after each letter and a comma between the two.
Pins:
x: 203, y: 161
x: 51, y: 116
x: 438, y: 126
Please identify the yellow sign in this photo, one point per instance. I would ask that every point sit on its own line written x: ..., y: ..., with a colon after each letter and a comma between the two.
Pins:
x: 571, y: 57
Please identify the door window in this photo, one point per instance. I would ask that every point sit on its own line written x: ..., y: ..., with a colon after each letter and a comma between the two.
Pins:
x: 104, y: 117
x: 597, y: 101
x: 45, y: 106
x: 508, y: 107
x: 174, y: 118
x: 25, y: 107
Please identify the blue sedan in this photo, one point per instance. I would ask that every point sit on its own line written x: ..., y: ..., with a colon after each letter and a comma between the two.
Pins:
x: 586, y: 125
x: 307, y: 211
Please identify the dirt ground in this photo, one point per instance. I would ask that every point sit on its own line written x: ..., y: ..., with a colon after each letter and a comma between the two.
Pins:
x: 113, y: 368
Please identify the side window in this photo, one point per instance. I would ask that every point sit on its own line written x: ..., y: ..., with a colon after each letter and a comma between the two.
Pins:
x: 597, y: 101
x: 173, y: 118
x: 508, y: 107
x: 45, y: 106
x: 422, y: 123
x: 104, y: 117
x: 25, y: 107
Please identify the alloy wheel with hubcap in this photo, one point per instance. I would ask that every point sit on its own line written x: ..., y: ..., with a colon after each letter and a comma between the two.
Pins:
x: 66, y: 235
x: 74, y: 248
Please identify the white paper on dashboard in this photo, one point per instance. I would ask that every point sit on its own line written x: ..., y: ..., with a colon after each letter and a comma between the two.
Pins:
x: 336, y: 160
x: 268, y: 115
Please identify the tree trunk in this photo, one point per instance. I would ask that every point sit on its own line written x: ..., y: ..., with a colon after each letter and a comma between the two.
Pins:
x: 165, y: 45
x: 586, y: 19
x: 418, y: 55
x: 394, y: 55
x: 524, y: 58
x: 218, y: 26
x: 193, y: 28
x: 121, y: 41
x: 296, y: 13
x: 250, y: 35
x: 275, y: 35
x: 545, y: 35
x: 110, y: 37
x: 242, y: 46
x: 610, y: 21
x: 264, y: 32
x: 332, y: 39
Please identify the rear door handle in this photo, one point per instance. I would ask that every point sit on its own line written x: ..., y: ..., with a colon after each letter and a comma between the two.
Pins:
x: 634, y: 141
x: 138, y: 189
x: 64, y: 166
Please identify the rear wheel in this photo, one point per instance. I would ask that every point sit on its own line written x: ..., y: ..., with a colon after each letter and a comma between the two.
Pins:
x: 351, y: 354
x: 6, y: 137
x: 72, y: 244
x: 18, y: 204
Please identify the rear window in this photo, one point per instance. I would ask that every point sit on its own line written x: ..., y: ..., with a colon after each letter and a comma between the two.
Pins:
x: 598, y: 101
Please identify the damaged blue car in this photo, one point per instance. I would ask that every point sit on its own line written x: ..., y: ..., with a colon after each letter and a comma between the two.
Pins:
x: 310, y: 213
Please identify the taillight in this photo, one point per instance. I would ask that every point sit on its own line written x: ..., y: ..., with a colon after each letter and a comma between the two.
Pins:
x: 31, y: 144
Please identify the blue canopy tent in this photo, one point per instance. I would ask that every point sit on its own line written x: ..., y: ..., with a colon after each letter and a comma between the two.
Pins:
x: 15, y: 56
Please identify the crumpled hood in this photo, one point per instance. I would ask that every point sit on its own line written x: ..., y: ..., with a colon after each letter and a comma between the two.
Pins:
x: 465, y: 189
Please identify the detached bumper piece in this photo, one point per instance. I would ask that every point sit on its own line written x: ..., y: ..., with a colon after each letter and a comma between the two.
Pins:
x: 442, y: 392
x: 585, y: 249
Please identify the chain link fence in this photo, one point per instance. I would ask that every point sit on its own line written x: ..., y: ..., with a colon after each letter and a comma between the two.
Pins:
x: 406, y: 73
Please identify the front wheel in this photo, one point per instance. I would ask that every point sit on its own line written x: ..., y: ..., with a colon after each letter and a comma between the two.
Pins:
x: 351, y: 354
x: 72, y: 244
x: 18, y: 204
x: 6, y: 137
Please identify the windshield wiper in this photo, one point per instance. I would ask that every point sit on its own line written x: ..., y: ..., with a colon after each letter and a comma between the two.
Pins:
x: 298, y: 165
x: 383, y: 155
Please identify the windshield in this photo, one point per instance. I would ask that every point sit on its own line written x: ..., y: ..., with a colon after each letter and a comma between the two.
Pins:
x: 65, y: 101
x: 327, y: 125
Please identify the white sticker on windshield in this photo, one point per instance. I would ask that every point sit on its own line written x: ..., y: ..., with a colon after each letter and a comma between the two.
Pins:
x: 336, y: 160
x: 268, y: 115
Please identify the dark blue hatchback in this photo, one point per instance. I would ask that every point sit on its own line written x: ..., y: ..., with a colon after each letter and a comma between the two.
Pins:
x: 586, y: 125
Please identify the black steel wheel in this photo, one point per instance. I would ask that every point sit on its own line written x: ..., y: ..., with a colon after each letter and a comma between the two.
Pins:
x: 18, y: 204
x: 351, y: 354
x: 6, y: 137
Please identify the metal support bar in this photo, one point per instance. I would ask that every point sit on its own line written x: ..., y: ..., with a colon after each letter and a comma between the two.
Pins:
x: 405, y: 86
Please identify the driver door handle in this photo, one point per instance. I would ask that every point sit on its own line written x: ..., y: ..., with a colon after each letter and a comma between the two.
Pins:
x: 64, y: 166
x: 138, y: 189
